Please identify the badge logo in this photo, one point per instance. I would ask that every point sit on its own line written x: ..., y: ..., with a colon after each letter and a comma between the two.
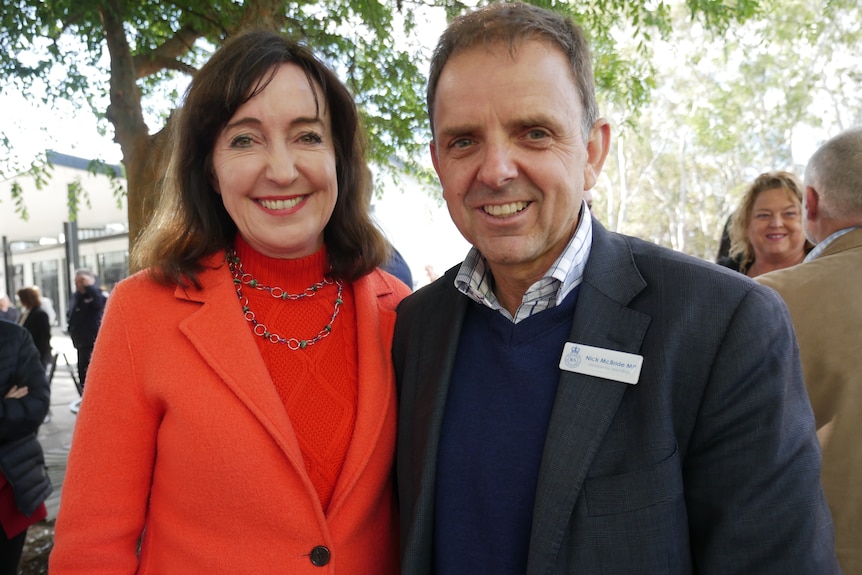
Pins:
x: 573, y: 358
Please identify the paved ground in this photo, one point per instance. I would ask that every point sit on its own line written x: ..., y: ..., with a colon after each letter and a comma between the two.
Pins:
x: 56, y: 435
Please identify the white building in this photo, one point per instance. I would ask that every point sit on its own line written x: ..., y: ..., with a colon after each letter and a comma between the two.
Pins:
x: 34, y: 249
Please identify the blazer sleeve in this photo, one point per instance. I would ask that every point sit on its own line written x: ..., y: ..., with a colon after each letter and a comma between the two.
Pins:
x: 752, y: 472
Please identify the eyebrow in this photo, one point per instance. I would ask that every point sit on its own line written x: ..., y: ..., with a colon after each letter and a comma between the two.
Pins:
x: 768, y: 211
x: 457, y: 130
x: 533, y: 120
x: 252, y: 121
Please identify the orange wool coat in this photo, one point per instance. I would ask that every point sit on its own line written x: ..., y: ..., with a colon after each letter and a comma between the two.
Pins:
x: 182, y: 443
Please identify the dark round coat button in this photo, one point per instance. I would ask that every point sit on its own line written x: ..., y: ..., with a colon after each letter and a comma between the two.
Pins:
x: 320, y: 556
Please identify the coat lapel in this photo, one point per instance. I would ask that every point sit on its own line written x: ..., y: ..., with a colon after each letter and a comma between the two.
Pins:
x: 585, y: 405
x: 375, y: 419
x: 442, y: 328
x: 221, y: 335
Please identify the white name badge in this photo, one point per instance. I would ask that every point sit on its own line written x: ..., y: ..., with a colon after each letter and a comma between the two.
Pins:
x: 600, y: 362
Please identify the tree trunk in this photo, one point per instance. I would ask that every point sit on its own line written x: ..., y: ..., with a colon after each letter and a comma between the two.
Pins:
x: 142, y: 157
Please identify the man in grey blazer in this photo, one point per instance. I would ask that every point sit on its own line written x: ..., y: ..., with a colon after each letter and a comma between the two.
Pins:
x: 822, y: 294
x: 574, y: 400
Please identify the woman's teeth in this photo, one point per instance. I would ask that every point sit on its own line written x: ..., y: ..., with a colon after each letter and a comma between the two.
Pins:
x: 280, y: 204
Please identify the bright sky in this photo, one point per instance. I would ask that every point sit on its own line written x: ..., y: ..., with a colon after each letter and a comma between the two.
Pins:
x: 33, y: 127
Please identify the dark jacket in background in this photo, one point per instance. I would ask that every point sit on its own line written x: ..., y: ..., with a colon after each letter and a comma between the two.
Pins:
x: 39, y: 326
x: 85, y: 316
x: 21, y: 460
x: 734, y: 264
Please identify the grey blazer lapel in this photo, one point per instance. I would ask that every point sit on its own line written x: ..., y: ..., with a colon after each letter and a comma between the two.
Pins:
x: 585, y: 405
x: 421, y: 416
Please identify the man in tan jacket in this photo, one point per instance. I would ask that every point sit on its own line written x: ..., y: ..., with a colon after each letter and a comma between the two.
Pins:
x: 822, y: 294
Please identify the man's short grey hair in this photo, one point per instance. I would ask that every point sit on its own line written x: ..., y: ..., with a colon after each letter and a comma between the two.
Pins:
x: 835, y: 171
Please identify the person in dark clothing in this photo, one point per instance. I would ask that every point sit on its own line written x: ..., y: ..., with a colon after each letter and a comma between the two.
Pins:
x: 36, y: 321
x: 85, y: 317
x: 571, y: 399
x: 24, y: 400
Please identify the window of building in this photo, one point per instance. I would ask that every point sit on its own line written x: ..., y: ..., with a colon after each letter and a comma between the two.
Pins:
x: 46, y: 275
x: 113, y: 266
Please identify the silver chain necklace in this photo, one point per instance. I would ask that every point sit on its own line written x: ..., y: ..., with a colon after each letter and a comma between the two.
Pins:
x: 241, y: 278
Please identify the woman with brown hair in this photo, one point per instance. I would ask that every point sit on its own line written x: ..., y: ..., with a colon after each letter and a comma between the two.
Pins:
x: 36, y: 320
x: 766, y: 229
x: 239, y: 415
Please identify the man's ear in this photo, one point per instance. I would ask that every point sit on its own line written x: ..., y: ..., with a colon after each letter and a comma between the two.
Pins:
x: 597, y: 151
x: 811, y: 203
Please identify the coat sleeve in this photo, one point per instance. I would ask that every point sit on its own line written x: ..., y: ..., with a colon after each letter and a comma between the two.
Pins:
x: 111, y: 462
x: 20, y: 366
x: 752, y: 472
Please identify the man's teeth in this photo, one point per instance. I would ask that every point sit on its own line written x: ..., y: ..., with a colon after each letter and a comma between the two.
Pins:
x: 280, y: 204
x: 505, y: 209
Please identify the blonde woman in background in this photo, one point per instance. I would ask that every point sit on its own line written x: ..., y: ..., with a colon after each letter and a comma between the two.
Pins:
x: 766, y: 229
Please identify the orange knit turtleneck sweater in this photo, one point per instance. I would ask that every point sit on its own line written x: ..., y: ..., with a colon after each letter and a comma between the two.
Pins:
x: 318, y: 384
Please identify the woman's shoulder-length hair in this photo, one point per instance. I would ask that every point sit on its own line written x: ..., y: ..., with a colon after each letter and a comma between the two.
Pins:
x: 740, y: 246
x: 29, y: 297
x: 191, y: 222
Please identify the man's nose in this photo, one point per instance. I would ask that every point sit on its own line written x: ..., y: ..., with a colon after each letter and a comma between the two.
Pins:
x: 498, y: 165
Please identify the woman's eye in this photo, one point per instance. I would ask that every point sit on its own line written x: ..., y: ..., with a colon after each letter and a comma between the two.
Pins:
x: 241, y: 141
x: 311, y: 138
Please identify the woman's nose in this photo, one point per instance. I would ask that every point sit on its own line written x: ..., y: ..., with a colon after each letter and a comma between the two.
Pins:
x: 281, y: 167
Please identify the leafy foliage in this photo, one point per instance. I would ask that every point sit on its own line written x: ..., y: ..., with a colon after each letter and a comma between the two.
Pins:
x: 728, y: 107
x: 127, y: 60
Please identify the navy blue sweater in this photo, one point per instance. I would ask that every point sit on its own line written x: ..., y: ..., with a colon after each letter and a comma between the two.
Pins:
x: 497, y: 412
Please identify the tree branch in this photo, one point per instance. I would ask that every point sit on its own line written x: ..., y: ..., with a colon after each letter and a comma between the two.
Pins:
x: 166, y: 55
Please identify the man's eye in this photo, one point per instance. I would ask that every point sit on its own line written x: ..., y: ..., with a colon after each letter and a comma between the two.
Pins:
x: 461, y: 143
x: 537, y: 134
